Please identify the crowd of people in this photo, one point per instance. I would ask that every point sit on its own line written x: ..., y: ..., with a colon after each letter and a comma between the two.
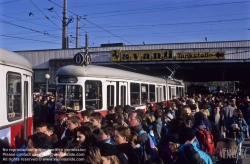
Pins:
x: 187, y: 130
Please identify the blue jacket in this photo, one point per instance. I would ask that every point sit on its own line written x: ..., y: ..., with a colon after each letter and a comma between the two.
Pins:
x: 191, y: 154
x: 202, y: 154
x: 240, y: 136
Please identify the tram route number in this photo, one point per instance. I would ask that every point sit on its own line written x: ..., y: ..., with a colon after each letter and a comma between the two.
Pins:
x: 82, y: 59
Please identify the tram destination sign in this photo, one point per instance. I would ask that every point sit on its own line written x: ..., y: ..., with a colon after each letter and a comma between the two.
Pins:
x: 147, y: 55
x: 200, y: 55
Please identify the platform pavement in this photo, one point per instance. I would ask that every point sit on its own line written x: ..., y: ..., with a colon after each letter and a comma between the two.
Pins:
x: 245, y: 146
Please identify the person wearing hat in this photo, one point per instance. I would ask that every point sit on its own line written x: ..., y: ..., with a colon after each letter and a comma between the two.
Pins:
x: 188, y: 150
x: 170, y: 152
x: 174, y: 143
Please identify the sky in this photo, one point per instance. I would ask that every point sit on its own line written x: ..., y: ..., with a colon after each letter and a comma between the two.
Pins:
x: 37, y: 24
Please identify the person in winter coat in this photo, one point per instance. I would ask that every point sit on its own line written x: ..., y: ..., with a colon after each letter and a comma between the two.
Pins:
x: 122, y: 139
x: 188, y: 152
x: 72, y: 125
x: 236, y: 127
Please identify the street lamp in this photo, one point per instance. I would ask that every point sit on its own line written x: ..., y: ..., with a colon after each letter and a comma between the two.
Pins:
x: 47, y: 76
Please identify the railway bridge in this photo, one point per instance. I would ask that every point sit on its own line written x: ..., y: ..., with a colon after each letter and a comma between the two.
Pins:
x: 192, y: 62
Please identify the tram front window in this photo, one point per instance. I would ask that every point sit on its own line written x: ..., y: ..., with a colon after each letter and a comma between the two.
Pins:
x: 70, y: 96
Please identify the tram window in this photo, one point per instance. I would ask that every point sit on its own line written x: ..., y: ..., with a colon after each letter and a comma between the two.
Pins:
x: 14, y: 105
x: 144, y: 93
x: 110, y: 95
x: 164, y: 92
x: 93, y: 93
x: 70, y: 96
x: 135, y: 93
x: 152, y: 92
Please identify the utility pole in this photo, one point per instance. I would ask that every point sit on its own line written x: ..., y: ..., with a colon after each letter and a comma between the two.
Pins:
x: 64, y: 26
x: 77, y: 28
x: 86, y: 43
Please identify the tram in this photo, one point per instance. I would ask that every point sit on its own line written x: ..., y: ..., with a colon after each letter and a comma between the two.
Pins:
x: 15, y: 96
x: 98, y: 87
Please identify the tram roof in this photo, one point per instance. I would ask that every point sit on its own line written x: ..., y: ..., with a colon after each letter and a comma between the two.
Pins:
x: 105, y: 72
x: 14, y: 59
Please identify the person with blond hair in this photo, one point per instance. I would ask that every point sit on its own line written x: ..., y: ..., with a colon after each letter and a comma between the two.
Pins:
x: 93, y: 155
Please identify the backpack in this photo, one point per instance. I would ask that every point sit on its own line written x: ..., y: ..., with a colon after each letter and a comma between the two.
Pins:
x: 206, y: 140
x: 153, y: 149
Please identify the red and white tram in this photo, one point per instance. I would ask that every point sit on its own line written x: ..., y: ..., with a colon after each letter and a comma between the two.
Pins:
x: 91, y: 86
x: 16, y: 95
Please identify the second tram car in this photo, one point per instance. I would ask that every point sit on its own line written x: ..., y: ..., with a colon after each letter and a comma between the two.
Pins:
x: 98, y: 87
x: 15, y: 97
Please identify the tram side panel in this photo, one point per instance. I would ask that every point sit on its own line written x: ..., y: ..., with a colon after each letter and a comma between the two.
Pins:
x: 16, y: 125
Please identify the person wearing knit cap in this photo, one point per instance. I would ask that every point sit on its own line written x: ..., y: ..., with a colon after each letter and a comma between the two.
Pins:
x: 171, y: 150
x: 174, y: 142
x: 188, y: 150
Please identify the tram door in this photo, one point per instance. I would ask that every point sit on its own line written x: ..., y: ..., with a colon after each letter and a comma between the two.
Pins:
x: 123, y: 93
x: 159, y: 93
x: 26, y: 107
x: 111, y: 93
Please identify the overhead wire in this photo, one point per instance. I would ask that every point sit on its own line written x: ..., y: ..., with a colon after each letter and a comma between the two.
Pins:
x: 27, y: 21
x: 3, y: 21
x: 94, y: 24
x: 161, y: 24
x: 29, y: 39
x: 45, y: 14
x: 98, y: 27
x: 152, y: 9
x: 12, y: 1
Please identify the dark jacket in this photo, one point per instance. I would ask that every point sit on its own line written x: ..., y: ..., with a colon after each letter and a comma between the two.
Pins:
x: 129, y: 152
x: 71, y: 133
x: 43, y: 112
